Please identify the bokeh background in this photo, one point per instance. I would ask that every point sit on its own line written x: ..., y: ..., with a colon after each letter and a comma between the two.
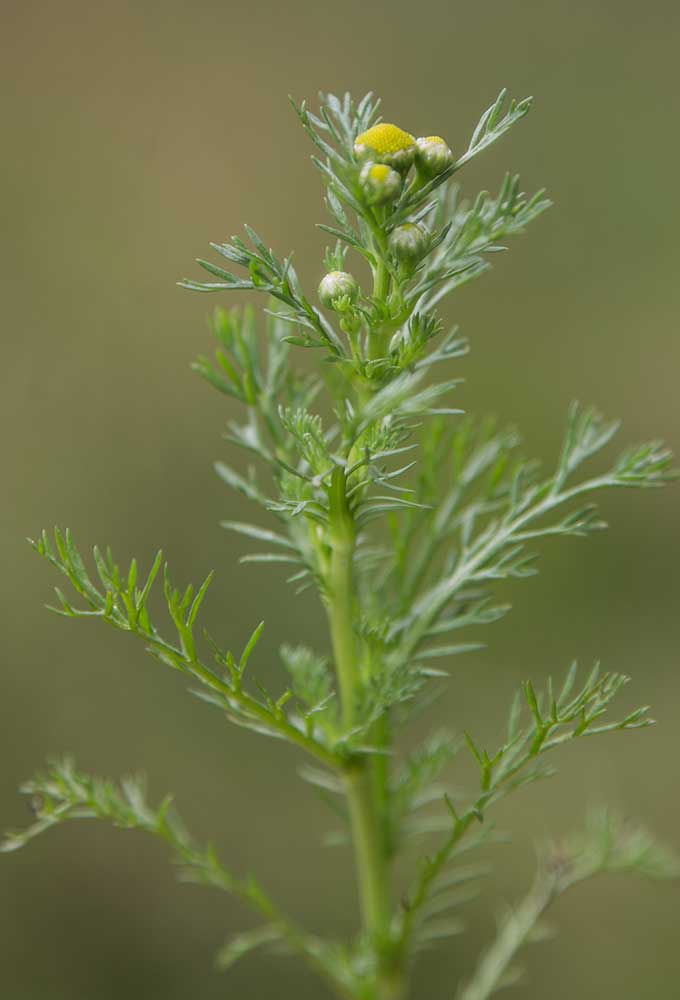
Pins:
x: 134, y: 134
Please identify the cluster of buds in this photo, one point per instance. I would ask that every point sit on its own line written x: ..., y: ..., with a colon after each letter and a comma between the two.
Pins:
x: 388, y: 153
x: 385, y: 154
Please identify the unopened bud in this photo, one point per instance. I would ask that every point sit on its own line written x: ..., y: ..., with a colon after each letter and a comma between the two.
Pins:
x: 338, y: 290
x: 408, y: 243
x: 379, y: 183
x: 433, y: 156
x: 388, y: 144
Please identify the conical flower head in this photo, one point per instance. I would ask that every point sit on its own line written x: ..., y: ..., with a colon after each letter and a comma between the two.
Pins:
x: 386, y: 143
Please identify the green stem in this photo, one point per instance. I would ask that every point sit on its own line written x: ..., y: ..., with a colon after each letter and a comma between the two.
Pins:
x: 380, y: 773
x: 341, y: 595
x: 371, y: 861
x: 364, y: 793
x: 381, y: 287
x: 512, y: 935
x: 381, y: 281
x: 195, y: 668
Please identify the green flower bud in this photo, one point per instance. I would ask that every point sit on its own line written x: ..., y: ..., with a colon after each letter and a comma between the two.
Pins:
x: 408, y: 243
x: 388, y: 144
x: 338, y: 290
x: 433, y: 156
x: 379, y: 183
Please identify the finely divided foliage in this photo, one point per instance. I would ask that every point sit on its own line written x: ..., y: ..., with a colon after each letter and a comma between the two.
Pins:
x: 403, y: 514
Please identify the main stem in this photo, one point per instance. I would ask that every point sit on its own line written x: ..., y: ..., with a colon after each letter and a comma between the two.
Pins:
x: 363, y: 796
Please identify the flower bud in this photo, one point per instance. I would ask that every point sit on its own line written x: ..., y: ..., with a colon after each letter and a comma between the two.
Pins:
x: 379, y: 183
x: 433, y: 156
x: 388, y: 144
x: 408, y: 243
x: 338, y: 290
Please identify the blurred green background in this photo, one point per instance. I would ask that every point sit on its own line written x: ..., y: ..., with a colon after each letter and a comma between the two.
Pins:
x: 133, y: 135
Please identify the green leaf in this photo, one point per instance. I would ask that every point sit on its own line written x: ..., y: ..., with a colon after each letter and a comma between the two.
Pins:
x: 242, y: 944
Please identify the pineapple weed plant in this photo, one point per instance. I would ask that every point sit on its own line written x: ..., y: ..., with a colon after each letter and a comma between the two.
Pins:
x: 403, y: 514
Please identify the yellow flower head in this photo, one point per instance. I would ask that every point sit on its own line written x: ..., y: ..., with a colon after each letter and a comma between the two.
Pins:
x: 380, y: 183
x: 387, y: 144
x: 379, y: 172
x: 385, y: 138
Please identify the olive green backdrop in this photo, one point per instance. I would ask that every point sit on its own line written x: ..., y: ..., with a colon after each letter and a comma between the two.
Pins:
x: 132, y: 135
